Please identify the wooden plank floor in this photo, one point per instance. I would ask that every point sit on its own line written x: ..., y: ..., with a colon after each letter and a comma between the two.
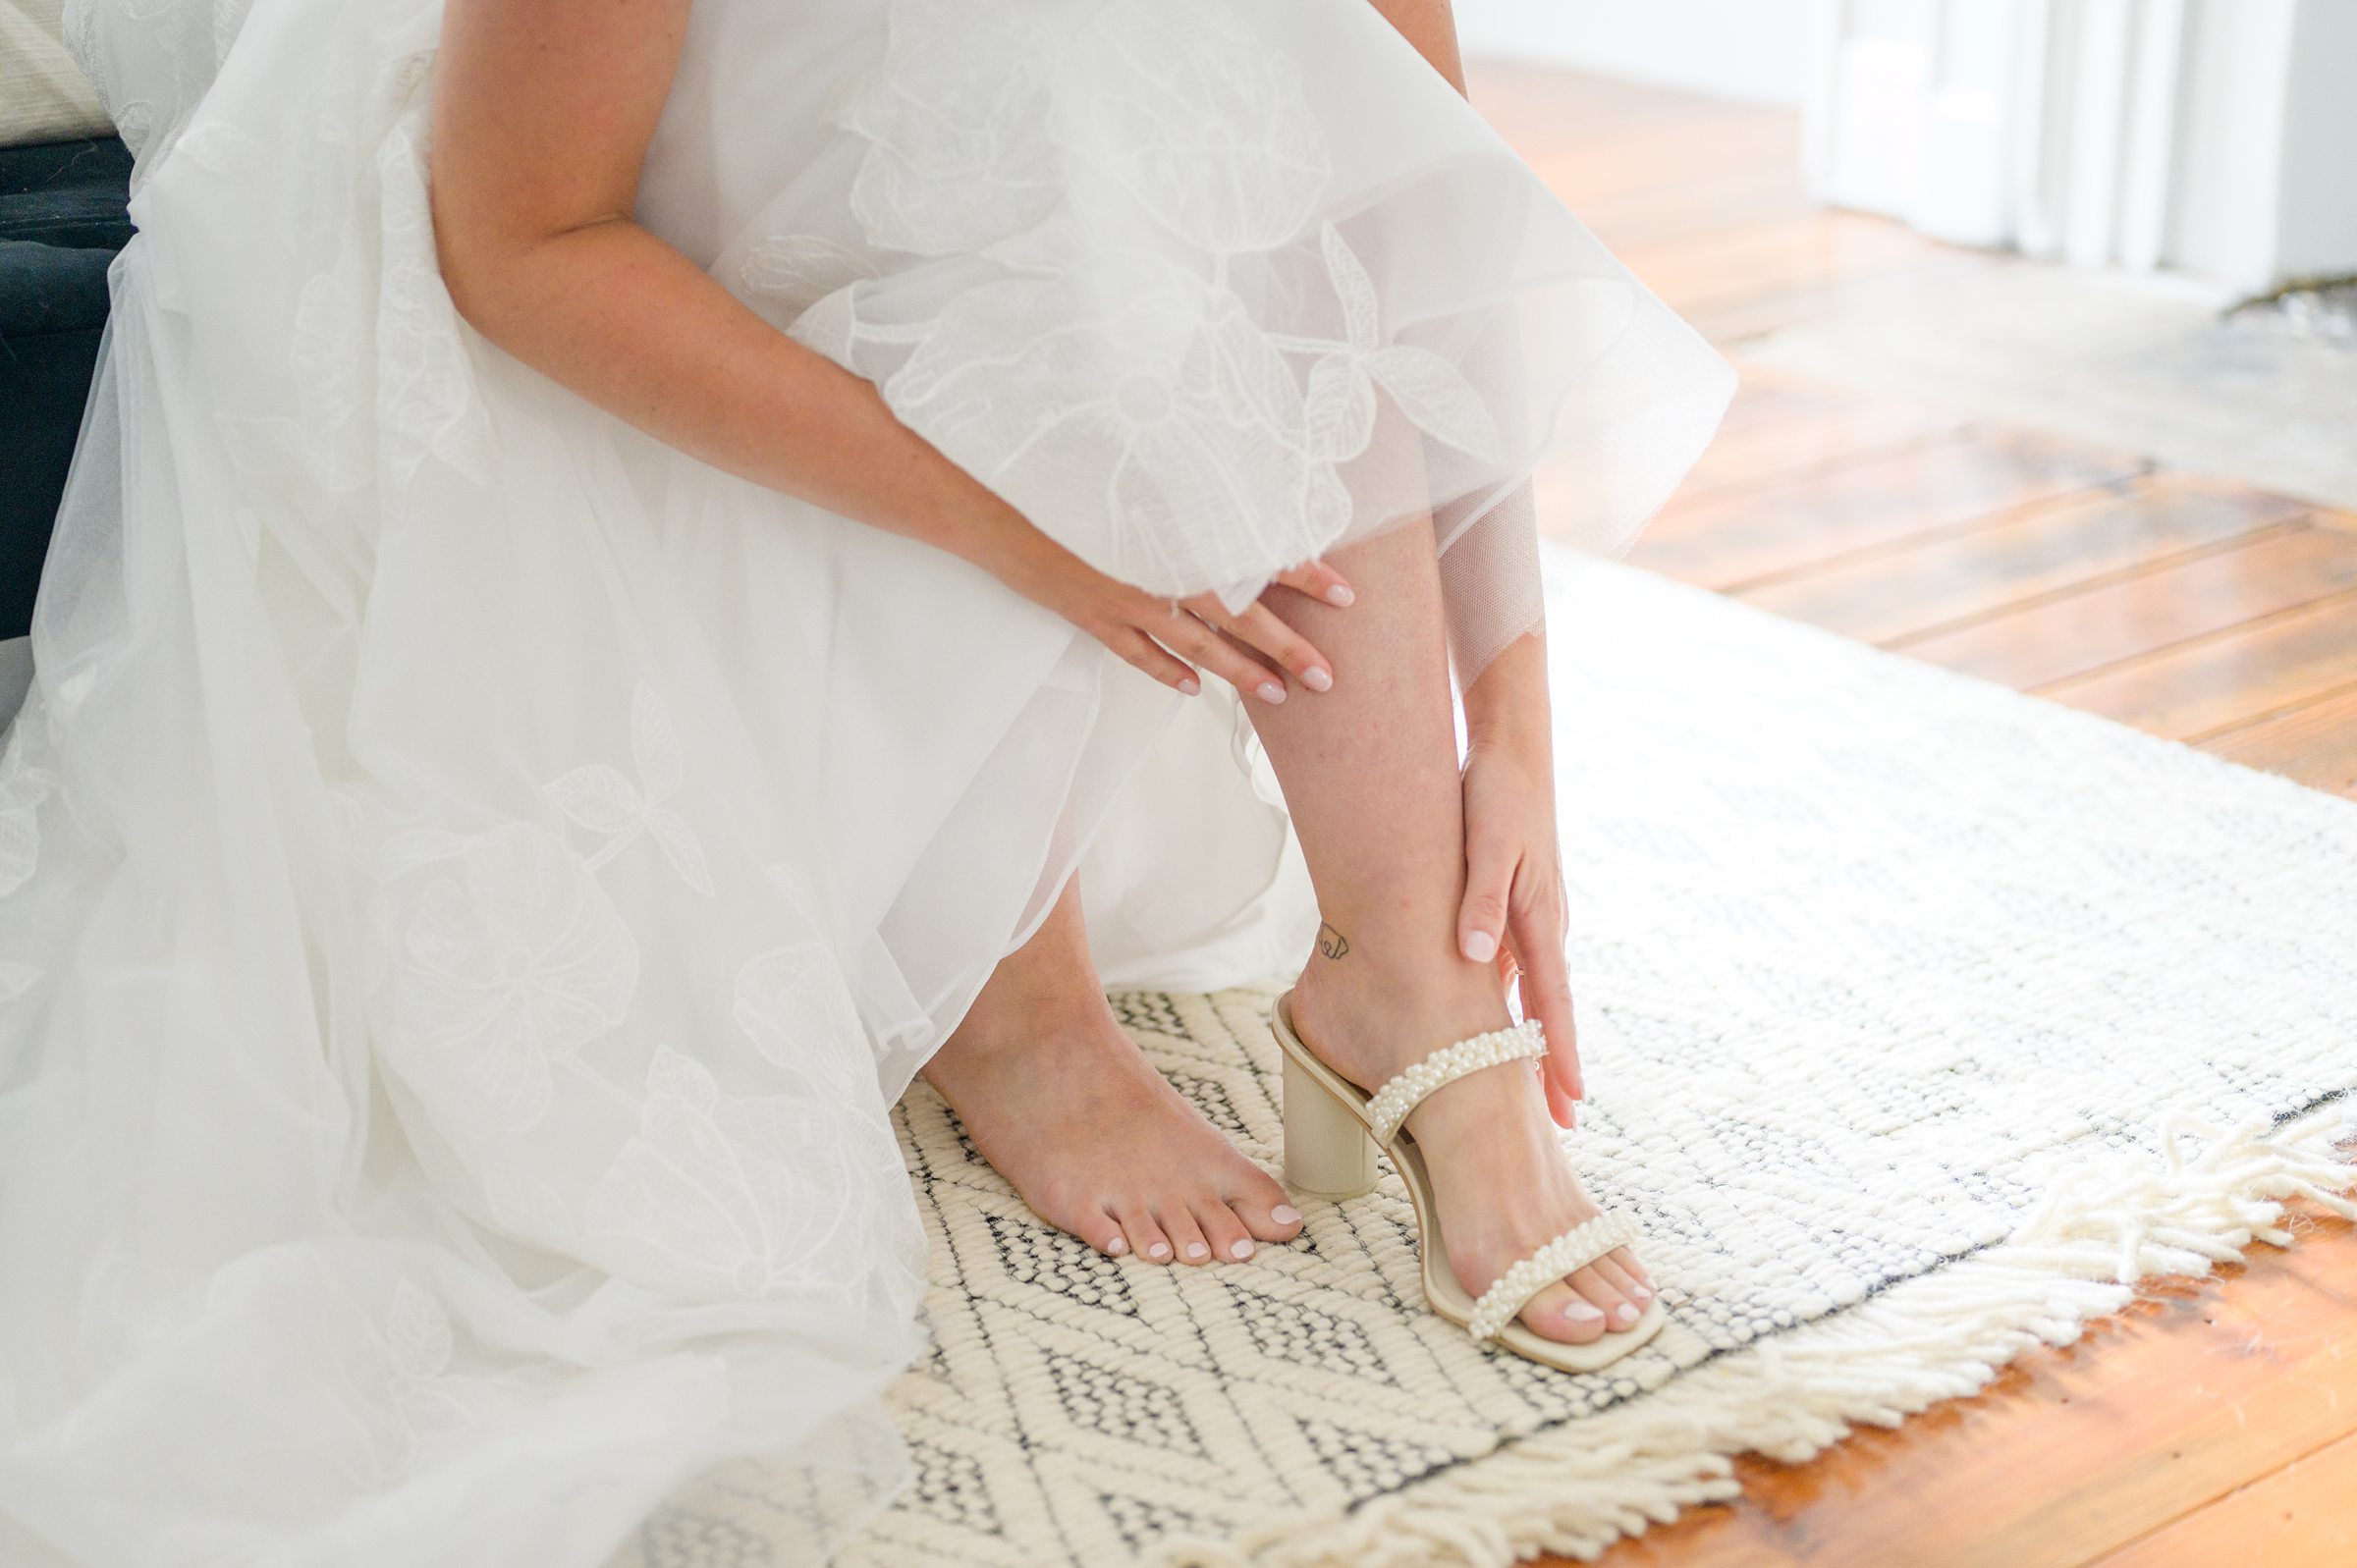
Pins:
x: 2215, y: 1423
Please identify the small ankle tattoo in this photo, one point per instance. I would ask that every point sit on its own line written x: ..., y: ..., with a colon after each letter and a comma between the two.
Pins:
x: 1331, y: 942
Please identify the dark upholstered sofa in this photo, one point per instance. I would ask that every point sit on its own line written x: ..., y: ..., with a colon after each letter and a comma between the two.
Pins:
x: 62, y: 220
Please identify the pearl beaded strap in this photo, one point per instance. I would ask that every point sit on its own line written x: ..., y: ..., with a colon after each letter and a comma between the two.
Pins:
x: 1568, y: 1253
x: 1394, y: 1099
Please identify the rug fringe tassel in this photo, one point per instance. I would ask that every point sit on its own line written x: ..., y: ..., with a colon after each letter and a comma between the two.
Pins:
x: 2102, y: 1227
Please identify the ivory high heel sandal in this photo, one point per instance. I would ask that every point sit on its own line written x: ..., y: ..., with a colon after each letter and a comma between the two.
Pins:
x: 1331, y: 1130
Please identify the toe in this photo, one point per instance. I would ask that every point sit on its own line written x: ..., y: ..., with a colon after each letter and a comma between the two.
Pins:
x: 1230, y: 1241
x: 1185, y: 1235
x: 1146, y: 1238
x: 1265, y: 1210
x: 1561, y: 1313
x: 1618, y: 1311
x: 1101, y: 1230
x: 1619, y: 1269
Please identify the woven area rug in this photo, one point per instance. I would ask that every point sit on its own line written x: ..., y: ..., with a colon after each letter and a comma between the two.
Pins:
x: 1919, y: 1018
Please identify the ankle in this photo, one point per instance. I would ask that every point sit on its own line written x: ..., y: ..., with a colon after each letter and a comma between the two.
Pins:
x: 1371, y: 1019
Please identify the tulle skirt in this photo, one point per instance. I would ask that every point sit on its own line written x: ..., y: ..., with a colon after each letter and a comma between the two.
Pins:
x: 473, y: 879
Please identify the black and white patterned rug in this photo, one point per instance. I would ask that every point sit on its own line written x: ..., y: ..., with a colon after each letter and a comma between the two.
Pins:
x: 1919, y: 1018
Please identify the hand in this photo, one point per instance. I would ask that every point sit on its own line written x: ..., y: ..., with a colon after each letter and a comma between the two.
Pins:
x: 1253, y: 650
x: 1514, y: 910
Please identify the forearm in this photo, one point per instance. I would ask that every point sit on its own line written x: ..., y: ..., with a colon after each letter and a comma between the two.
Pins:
x: 1508, y: 703
x: 632, y: 324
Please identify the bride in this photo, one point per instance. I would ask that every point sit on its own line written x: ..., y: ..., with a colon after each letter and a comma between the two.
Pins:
x: 638, y: 575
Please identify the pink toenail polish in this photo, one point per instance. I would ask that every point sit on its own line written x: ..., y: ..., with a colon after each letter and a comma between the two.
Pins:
x: 1624, y: 1315
x: 1242, y: 1250
x: 1117, y: 1246
x: 1284, y: 1214
x: 1583, y: 1312
x: 1197, y: 1250
x: 1159, y: 1251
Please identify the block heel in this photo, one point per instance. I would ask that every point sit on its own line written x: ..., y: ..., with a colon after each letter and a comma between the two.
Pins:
x: 1328, y: 1153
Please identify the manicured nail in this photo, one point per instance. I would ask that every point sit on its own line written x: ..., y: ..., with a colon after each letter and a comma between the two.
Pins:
x: 1338, y: 594
x: 1190, y: 685
x: 1271, y: 691
x: 1117, y: 1246
x: 1284, y: 1214
x: 1480, y: 947
x: 1641, y: 1293
x: 1242, y: 1250
x: 1583, y: 1312
x: 1316, y: 678
x: 1624, y: 1315
x: 1159, y: 1251
x: 1197, y: 1250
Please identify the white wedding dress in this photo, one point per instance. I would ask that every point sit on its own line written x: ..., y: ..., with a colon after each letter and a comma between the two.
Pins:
x: 473, y: 880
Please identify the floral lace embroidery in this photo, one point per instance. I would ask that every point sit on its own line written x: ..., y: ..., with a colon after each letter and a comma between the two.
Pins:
x: 601, y: 799
x: 1114, y: 382
x: 514, y: 965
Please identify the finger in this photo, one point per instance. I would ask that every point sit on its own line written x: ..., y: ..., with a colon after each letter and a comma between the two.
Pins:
x: 1232, y: 662
x: 1489, y: 882
x: 1138, y: 649
x: 1546, y: 988
x: 1319, y: 581
x: 1258, y: 627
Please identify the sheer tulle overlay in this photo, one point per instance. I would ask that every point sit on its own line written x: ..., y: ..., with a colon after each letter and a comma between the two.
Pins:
x: 473, y: 880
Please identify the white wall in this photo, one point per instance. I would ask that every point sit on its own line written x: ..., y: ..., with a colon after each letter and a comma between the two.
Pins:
x: 2318, y: 193
x: 1753, y: 50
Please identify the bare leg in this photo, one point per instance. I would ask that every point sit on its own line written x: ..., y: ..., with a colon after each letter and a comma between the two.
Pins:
x: 1370, y: 774
x: 1063, y: 1104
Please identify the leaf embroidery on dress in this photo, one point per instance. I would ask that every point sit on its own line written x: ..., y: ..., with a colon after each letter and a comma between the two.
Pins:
x: 601, y: 799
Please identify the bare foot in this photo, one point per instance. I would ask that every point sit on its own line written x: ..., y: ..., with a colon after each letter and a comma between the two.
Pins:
x: 1504, y: 1183
x: 1062, y: 1103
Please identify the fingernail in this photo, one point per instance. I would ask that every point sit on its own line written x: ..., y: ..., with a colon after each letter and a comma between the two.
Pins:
x: 1339, y: 594
x: 1117, y: 1246
x: 1159, y: 1251
x: 1583, y: 1312
x: 1242, y: 1250
x: 1480, y: 947
x: 1624, y: 1315
x: 1190, y: 685
x: 1284, y: 1214
x: 1271, y: 691
x: 1316, y: 678
x: 1197, y: 1250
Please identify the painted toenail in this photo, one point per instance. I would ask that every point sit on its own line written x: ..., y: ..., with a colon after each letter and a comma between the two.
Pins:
x: 1159, y: 1251
x: 1579, y: 1311
x: 1641, y: 1293
x: 1197, y: 1250
x: 1117, y: 1246
x: 1284, y: 1214
x: 1242, y: 1250
x: 1624, y: 1315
